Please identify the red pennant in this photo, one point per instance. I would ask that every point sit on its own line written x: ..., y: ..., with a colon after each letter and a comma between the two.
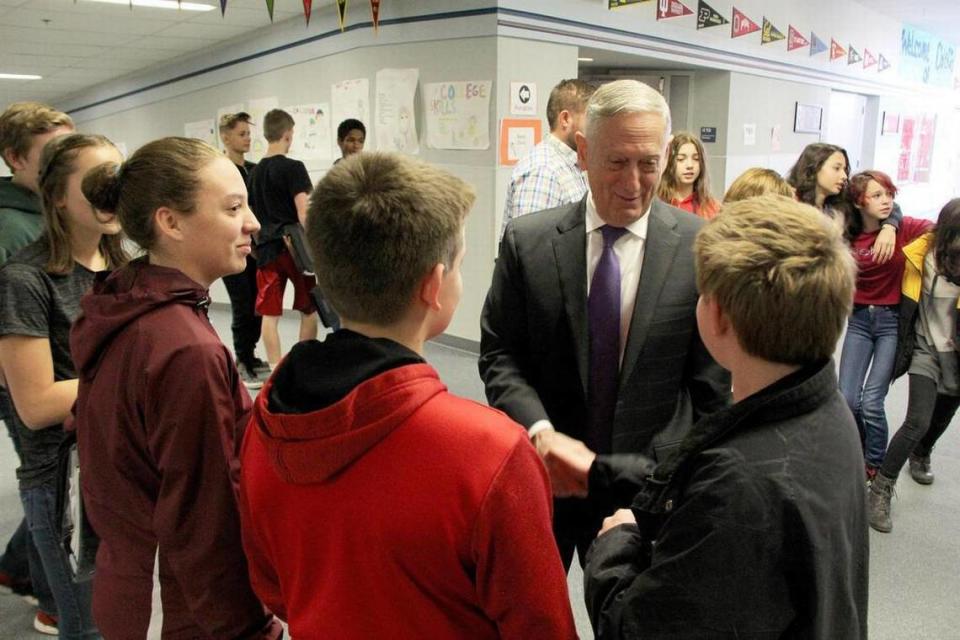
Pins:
x: 836, y: 51
x: 375, y: 11
x: 868, y: 59
x: 741, y: 24
x: 307, y: 8
x: 672, y: 9
x: 795, y: 39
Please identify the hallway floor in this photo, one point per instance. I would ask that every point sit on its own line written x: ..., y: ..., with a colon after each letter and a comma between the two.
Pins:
x: 914, y: 572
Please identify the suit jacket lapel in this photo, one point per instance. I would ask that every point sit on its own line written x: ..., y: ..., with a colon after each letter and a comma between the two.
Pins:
x: 658, y: 253
x: 570, y: 252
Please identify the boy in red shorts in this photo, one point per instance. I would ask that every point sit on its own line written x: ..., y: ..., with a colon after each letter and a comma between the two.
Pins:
x: 279, y: 192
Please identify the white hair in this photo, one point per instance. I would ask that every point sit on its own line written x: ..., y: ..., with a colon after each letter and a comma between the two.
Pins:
x: 625, y: 96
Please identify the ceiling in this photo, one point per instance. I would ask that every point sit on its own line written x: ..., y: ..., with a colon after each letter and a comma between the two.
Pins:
x: 939, y: 17
x: 75, y: 45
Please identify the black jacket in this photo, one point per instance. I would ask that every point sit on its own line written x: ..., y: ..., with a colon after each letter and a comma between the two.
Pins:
x: 755, y: 528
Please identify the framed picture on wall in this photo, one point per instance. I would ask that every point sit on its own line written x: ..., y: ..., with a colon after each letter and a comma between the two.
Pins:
x: 891, y: 123
x: 808, y: 118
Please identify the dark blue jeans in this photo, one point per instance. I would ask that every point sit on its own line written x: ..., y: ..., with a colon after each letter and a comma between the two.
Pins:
x: 866, y: 366
x: 75, y: 618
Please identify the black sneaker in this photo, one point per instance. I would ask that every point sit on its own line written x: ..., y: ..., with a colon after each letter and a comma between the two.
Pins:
x: 251, y: 378
x: 260, y: 365
x: 920, y: 469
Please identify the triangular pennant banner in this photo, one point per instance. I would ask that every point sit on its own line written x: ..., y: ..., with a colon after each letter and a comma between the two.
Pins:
x: 770, y: 32
x: 707, y: 16
x: 884, y: 63
x: 342, y: 12
x: 795, y: 39
x: 375, y: 12
x: 816, y: 44
x: 270, y: 9
x: 868, y: 59
x: 223, y: 7
x: 613, y: 4
x: 672, y: 9
x: 742, y: 25
x: 307, y: 8
x: 852, y: 56
x: 836, y: 51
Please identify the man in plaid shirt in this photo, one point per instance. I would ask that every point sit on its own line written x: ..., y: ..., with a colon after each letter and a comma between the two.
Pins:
x: 550, y: 177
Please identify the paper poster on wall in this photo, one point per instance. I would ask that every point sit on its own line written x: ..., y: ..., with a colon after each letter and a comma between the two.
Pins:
x: 233, y: 108
x: 458, y: 114
x: 201, y: 130
x: 351, y: 99
x: 925, y: 139
x: 518, y: 137
x: 904, y: 162
x: 311, y: 133
x: 257, y: 108
x: 776, y: 138
x: 523, y: 98
x: 750, y: 134
x: 396, y: 121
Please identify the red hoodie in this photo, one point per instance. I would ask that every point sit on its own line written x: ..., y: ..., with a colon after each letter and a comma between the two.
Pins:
x: 158, y: 411
x: 395, y: 510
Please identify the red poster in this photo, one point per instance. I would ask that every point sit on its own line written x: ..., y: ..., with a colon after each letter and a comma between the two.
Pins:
x: 741, y: 24
x: 836, y: 51
x: 672, y: 9
x: 795, y: 39
x: 928, y: 129
x: 907, y: 126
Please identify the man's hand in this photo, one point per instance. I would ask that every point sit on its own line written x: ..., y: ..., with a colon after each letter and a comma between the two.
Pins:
x: 567, y: 460
x: 621, y: 516
x: 885, y: 244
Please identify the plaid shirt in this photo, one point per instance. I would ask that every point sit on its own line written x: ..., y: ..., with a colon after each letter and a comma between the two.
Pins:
x: 549, y: 177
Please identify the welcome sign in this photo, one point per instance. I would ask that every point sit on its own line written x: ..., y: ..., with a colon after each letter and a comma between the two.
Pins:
x: 926, y: 58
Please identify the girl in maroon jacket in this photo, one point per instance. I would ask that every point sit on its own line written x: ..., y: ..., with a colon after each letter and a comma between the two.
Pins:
x: 160, y: 400
x: 871, y: 340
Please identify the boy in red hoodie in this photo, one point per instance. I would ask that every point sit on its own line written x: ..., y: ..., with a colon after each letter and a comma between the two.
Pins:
x: 375, y: 503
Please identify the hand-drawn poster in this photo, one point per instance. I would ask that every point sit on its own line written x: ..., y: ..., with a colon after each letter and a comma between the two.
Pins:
x: 396, y: 122
x: 924, y: 156
x: 311, y: 133
x: 202, y: 130
x: 258, y: 107
x: 351, y: 99
x: 458, y: 114
x: 233, y: 108
x: 907, y: 134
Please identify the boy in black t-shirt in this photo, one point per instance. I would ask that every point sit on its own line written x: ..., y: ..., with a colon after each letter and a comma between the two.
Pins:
x: 242, y: 287
x: 279, y: 193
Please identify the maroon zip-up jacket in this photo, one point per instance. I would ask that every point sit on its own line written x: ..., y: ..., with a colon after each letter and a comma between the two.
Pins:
x: 158, y: 415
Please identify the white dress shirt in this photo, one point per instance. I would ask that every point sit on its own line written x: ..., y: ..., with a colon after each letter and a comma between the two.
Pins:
x: 629, y: 251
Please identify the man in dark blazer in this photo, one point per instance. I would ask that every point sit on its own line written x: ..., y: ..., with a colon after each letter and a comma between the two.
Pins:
x: 589, y: 329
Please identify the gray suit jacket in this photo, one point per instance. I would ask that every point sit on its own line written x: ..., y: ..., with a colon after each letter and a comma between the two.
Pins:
x: 534, y: 336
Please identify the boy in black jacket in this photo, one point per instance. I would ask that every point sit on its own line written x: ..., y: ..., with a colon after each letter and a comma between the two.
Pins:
x: 757, y: 526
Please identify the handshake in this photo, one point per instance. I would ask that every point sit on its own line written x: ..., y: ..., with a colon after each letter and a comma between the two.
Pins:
x: 568, y: 463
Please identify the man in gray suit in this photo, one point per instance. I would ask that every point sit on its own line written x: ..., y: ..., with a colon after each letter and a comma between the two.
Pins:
x: 589, y: 335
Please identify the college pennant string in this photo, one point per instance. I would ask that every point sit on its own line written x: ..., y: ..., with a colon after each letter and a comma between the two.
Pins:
x: 270, y: 9
x: 342, y: 12
x: 375, y: 12
x: 223, y: 8
x: 307, y: 8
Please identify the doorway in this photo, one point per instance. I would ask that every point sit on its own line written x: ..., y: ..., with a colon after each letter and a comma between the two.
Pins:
x: 845, y: 125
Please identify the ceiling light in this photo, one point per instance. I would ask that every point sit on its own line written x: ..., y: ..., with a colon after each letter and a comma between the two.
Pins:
x: 161, y: 4
x: 19, y: 76
x: 584, y: 59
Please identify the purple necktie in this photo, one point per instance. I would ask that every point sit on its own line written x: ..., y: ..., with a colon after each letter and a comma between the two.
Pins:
x: 603, y: 315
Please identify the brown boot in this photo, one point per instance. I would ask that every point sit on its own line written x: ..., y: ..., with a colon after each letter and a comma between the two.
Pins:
x: 878, y: 505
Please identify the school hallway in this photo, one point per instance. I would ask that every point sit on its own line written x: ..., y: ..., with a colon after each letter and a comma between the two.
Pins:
x: 914, y: 571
